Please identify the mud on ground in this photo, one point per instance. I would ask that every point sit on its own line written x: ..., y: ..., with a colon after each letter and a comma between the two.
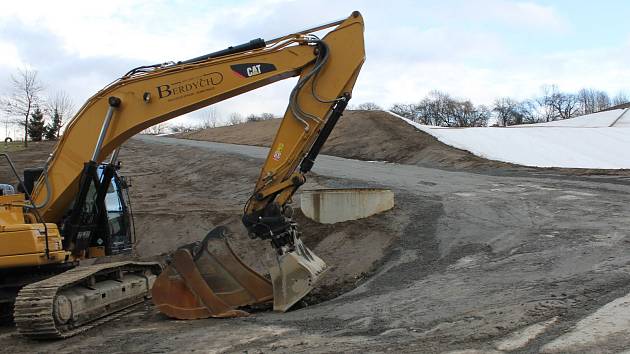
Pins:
x: 34, y: 156
x: 478, y: 260
x: 178, y: 195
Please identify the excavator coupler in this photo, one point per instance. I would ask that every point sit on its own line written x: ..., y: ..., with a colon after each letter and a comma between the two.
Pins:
x: 207, y: 279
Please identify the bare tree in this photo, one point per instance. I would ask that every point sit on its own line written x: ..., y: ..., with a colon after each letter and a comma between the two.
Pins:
x: 25, y: 91
x: 235, y: 118
x: 182, y: 128
x: 466, y: 114
x: 544, y: 102
x: 591, y: 101
x: 210, y: 118
x: 404, y: 110
x: 507, y: 111
x: 555, y: 105
x: 369, y: 106
x: 440, y: 109
x: 602, y: 101
x: 620, y: 98
x: 259, y: 117
x: 7, y: 123
x: 566, y: 105
x: 157, y: 129
x: 61, y: 108
x: 586, y: 99
x: 433, y: 109
x: 528, y: 112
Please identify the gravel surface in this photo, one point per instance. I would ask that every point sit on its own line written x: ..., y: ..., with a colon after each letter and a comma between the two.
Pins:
x: 508, y: 260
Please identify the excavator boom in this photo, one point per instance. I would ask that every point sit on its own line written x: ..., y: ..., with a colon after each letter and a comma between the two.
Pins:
x: 315, y: 105
x: 65, y: 219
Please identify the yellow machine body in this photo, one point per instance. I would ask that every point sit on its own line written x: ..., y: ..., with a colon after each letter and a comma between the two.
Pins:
x: 22, y: 244
x: 327, y: 69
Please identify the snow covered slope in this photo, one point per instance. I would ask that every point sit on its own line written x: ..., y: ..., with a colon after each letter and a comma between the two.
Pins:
x: 596, y: 120
x: 597, y: 141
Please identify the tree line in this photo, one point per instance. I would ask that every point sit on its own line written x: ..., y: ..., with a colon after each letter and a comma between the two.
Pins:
x: 441, y: 109
x: 41, y: 115
x: 212, y: 119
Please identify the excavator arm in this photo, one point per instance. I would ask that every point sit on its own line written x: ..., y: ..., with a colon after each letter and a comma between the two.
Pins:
x: 148, y: 95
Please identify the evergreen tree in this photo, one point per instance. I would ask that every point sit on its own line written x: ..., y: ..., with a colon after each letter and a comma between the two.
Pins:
x: 36, y: 125
x: 51, y: 132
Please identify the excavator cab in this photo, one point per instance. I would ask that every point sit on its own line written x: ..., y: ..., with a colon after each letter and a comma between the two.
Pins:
x: 99, y: 221
x: 102, y: 210
x: 119, y: 233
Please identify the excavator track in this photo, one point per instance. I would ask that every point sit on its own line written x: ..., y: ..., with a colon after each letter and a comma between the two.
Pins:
x: 44, y: 310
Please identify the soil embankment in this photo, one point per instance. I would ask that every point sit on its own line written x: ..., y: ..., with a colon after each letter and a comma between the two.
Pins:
x: 362, y: 135
x: 178, y: 195
x: 380, y: 136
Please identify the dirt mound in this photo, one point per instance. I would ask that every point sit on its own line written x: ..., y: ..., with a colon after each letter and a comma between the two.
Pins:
x: 179, y: 193
x: 378, y: 135
x: 363, y: 135
x: 34, y: 156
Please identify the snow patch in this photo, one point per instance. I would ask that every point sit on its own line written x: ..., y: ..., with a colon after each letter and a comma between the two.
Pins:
x: 521, y: 338
x: 596, y: 120
x: 613, y: 319
x: 596, y: 141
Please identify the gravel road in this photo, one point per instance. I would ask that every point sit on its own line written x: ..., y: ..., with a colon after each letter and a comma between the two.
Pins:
x: 486, y: 255
x: 504, y: 261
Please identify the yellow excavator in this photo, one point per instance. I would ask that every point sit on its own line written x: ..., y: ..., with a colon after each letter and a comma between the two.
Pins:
x: 74, y: 210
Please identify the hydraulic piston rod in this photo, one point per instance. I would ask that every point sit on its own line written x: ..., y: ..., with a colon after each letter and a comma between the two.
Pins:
x: 114, y: 102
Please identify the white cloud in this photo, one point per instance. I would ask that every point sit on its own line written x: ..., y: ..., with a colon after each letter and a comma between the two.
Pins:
x: 529, y: 14
x: 603, y: 68
x: 456, y: 46
x: 525, y: 15
x: 10, y: 56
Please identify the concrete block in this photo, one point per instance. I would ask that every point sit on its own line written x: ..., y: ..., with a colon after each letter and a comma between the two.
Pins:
x: 329, y: 206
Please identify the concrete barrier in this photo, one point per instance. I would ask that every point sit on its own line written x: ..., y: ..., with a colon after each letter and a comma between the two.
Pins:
x: 329, y: 206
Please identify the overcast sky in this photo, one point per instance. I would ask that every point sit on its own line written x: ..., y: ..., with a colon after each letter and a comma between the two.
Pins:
x: 472, y: 49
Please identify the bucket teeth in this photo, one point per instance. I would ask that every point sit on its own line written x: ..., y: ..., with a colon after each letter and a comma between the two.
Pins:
x: 295, y: 276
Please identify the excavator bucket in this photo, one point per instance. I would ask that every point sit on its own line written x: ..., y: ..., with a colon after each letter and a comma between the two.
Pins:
x: 295, y: 276
x: 207, y: 279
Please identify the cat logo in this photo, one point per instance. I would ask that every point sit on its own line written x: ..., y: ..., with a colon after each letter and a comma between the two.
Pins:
x: 253, y: 70
x: 247, y: 70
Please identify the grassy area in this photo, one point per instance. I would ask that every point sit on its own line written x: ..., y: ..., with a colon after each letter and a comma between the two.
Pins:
x: 12, y: 146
